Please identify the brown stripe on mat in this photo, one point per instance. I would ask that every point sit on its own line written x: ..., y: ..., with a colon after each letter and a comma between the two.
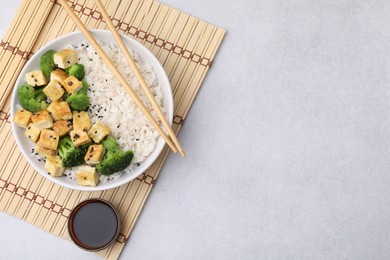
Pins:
x: 185, y: 45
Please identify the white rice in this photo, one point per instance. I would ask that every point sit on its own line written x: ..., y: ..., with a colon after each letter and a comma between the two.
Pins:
x: 110, y: 103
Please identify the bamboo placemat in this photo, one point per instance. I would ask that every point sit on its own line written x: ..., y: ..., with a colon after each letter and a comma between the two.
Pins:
x: 186, y: 47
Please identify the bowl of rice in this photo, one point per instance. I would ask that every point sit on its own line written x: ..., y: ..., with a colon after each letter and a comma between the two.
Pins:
x: 109, y: 103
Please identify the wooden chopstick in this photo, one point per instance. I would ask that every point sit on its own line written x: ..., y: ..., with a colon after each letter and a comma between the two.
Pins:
x: 116, y: 73
x: 138, y: 74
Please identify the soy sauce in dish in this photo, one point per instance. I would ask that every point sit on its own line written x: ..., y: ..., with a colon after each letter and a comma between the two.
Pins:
x: 93, y: 224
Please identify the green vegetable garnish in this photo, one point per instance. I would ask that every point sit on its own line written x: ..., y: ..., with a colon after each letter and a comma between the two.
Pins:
x: 46, y: 63
x: 79, y: 100
x: 115, y: 159
x: 31, y: 99
x: 71, y: 155
x: 76, y: 70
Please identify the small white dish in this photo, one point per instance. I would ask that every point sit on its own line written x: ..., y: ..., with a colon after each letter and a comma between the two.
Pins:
x: 76, y: 38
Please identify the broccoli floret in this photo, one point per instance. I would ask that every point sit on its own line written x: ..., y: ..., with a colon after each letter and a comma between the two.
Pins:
x: 76, y: 70
x: 84, y: 89
x: 79, y: 100
x: 40, y: 95
x: 115, y: 159
x: 46, y: 63
x: 71, y: 155
x: 31, y: 99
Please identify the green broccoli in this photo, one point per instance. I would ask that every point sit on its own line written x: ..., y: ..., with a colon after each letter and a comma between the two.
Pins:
x: 115, y: 159
x: 71, y: 155
x: 76, y: 70
x: 31, y: 99
x: 46, y: 63
x: 79, y: 100
x: 84, y: 89
x: 39, y: 95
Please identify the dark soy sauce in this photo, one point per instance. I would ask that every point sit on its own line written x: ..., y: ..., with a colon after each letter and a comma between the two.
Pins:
x: 93, y: 224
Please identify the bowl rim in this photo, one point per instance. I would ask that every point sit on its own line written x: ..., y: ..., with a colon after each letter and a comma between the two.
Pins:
x: 160, y: 72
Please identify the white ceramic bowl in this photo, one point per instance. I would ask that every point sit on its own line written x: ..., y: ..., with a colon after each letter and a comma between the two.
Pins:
x: 75, y: 38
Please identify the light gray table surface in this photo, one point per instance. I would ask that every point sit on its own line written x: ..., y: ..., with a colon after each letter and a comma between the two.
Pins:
x: 287, y: 142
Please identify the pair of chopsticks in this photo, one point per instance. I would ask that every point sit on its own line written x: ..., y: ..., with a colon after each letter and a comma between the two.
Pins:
x: 176, y: 146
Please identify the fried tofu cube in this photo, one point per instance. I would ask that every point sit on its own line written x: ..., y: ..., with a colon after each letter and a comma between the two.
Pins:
x: 94, y: 154
x: 32, y: 132
x: 58, y: 75
x: 36, y: 78
x: 72, y: 84
x: 81, y: 120
x: 54, y: 166
x: 87, y: 176
x: 98, y: 131
x: 65, y: 58
x: 44, y: 151
x: 22, y: 118
x: 60, y: 110
x: 48, y: 139
x: 62, y: 127
x: 54, y: 90
x: 79, y: 137
x: 42, y: 119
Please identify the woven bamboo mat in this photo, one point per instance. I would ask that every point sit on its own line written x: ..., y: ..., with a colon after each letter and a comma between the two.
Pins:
x: 186, y: 47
